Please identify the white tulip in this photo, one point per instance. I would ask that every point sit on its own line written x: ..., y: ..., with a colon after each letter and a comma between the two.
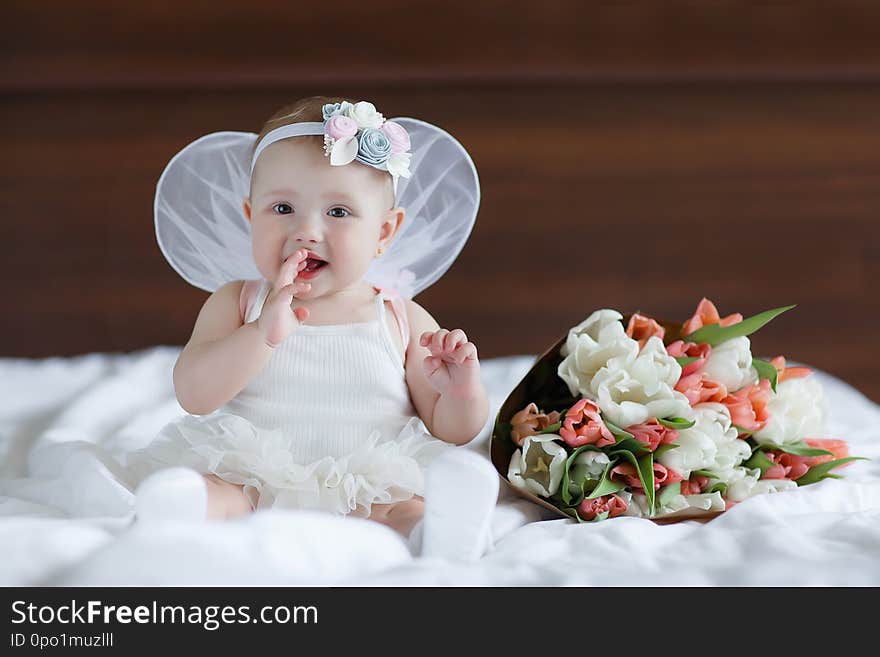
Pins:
x: 730, y: 364
x: 538, y: 467
x: 589, y: 464
x: 744, y: 482
x: 591, y: 345
x: 701, y: 502
x: 699, y: 445
x: 798, y: 410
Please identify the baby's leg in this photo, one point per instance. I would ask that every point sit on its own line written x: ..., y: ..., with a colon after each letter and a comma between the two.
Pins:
x: 400, y: 516
x: 225, y: 500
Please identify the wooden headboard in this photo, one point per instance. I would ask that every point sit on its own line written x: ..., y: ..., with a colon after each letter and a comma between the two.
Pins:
x: 632, y: 155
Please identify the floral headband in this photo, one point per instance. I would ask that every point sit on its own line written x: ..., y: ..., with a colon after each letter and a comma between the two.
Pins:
x: 352, y: 132
x: 358, y: 132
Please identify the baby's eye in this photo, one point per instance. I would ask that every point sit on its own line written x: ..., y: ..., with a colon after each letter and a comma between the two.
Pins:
x: 282, y: 208
x: 338, y: 213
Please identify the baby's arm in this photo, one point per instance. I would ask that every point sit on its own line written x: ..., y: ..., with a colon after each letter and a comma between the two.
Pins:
x: 222, y: 354
x: 443, y: 375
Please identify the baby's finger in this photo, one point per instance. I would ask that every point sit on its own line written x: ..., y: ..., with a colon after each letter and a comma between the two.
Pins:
x: 425, y: 338
x: 302, y: 314
x: 285, y: 274
x: 430, y: 364
x: 454, y: 339
x: 467, y: 351
x: 437, y: 341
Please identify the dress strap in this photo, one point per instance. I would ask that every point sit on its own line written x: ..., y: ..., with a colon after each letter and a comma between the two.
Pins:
x: 249, y: 293
x: 398, y: 310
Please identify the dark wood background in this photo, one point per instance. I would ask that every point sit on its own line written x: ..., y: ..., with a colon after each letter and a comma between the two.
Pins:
x: 634, y: 155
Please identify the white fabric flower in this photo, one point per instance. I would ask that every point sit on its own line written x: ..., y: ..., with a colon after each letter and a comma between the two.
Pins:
x: 589, y: 464
x: 538, y: 467
x: 365, y: 115
x: 798, y: 410
x: 631, y: 392
x: 699, y: 445
x: 596, y: 342
x: 730, y: 364
x: 398, y: 164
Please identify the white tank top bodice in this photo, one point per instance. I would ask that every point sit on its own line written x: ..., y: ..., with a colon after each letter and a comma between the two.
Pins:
x: 328, y: 386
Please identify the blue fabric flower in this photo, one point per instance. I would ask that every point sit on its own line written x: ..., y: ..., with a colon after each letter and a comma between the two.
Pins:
x: 374, y: 147
x: 331, y: 109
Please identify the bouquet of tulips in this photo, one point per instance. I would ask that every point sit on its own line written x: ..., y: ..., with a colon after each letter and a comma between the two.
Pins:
x: 635, y: 416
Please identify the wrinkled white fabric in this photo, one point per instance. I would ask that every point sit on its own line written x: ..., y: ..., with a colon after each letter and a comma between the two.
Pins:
x: 60, y: 516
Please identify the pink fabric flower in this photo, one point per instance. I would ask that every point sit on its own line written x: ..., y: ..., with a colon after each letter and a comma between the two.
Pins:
x: 613, y: 504
x: 584, y: 426
x: 680, y: 348
x: 530, y: 421
x: 397, y: 135
x: 640, y: 328
x: 748, y: 406
x: 698, y: 389
x: 788, y: 372
x: 653, y: 433
x: 340, y: 127
x: 706, y: 314
x: 627, y: 472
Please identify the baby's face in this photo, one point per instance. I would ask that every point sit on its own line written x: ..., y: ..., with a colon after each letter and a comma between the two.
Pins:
x: 341, y: 214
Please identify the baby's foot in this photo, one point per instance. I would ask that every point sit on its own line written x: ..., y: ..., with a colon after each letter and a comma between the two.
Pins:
x: 172, y: 495
x: 461, y: 489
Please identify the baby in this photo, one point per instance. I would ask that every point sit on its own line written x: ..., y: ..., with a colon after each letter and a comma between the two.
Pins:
x: 312, y: 388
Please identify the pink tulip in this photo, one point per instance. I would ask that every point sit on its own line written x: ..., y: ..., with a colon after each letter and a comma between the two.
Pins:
x: 530, y: 421
x: 640, y: 328
x: 698, y: 389
x: 786, y: 373
x: 629, y: 475
x: 584, y: 426
x: 613, y: 504
x: 653, y: 433
x: 706, y: 314
x: 748, y: 406
x: 680, y: 348
x: 695, y: 485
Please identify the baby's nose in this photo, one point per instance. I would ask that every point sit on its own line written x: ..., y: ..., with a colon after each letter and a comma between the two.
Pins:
x: 307, y: 231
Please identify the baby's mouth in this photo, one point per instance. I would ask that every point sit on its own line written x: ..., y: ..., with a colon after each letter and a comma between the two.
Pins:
x: 313, y: 264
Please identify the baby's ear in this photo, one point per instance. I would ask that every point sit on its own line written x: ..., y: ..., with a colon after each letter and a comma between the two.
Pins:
x: 246, y: 205
x: 393, y: 222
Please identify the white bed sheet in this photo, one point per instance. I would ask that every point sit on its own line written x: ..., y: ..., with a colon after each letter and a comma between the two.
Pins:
x: 65, y: 512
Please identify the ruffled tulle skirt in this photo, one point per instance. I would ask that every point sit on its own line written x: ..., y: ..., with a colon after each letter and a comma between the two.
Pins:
x: 378, y: 471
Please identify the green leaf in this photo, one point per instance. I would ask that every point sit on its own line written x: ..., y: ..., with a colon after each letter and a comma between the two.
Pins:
x: 800, y: 448
x: 704, y: 473
x: 552, y: 428
x: 600, y: 516
x: 619, y: 433
x: 606, y: 486
x: 686, y: 360
x: 715, y: 334
x: 663, y: 449
x: 667, y: 493
x: 565, y: 486
x: 766, y: 370
x: 820, y: 471
x: 633, y: 445
x: 645, y: 468
x: 759, y: 460
x: 676, y: 422
x: 719, y: 487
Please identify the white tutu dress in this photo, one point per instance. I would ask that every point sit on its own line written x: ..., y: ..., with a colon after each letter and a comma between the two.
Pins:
x: 327, y: 424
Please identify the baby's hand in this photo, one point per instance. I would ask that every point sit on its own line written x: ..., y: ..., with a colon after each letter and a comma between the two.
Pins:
x: 279, y: 318
x: 453, y: 367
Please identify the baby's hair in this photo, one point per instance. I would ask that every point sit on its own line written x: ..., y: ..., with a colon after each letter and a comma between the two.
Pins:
x: 305, y: 109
